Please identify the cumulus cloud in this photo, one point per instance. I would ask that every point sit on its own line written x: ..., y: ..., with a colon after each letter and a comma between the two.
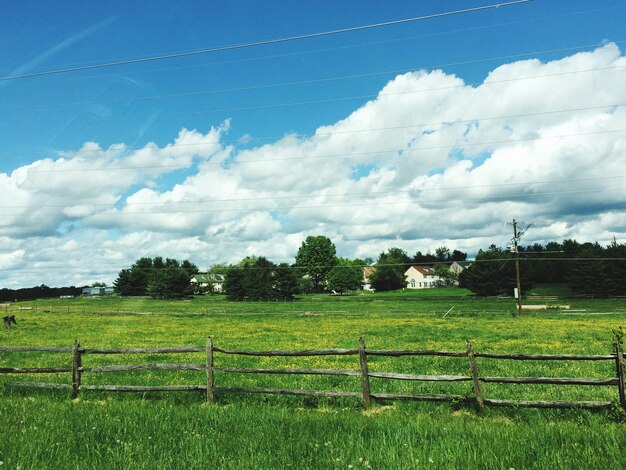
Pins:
x: 431, y: 160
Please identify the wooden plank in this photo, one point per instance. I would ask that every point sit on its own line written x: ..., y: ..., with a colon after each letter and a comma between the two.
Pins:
x: 547, y: 357
x: 76, y: 365
x: 243, y: 370
x: 619, y: 367
x: 168, y: 350
x: 414, y: 352
x: 475, y: 380
x: 421, y: 378
x: 550, y: 404
x: 550, y: 380
x: 136, y: 367
x: 39, y: 385
x: 400, y: 396
x: 277, y: 391
x: 210, y: 379
x: 365, y: 381
x: 308, y: 352
x: 146, y: 388
x: 34, y: 370
x: 11, y: 349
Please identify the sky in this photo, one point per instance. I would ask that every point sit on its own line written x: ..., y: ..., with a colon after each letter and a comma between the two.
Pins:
x: 432, y: 132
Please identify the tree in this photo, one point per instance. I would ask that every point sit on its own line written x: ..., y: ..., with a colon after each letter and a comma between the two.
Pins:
x: 493, y: 273
x: 169, y: 282
x: 233, y: 283
x: 442, y: 271
x: 390, y: 268
x: 458, y: 256
x: 285, y: 282
x: 346, y: 276
x: 316, y: 257
x: 156, y: 277
x: 260, y: 279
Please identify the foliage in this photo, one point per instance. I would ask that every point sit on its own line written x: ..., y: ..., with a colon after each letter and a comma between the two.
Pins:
x: 390, y: 268
x: 588, y: 268
x: 493, y: 273
x: 156, y: 277
x: 316, y: 257
x: 442, y: 271
x: 170, y: 282
x: 346, y: 276
x: 38, y: 292
x: 285, y: 282
x: 257, y: 278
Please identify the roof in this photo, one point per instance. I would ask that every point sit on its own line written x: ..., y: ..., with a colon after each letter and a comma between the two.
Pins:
x: 208, y: 277
x: 464, y: 264
x: 368, y: 271
x: 201, y: 277
x: 425, y: 270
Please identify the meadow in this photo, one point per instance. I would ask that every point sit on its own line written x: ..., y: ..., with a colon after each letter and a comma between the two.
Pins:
x: 45, y: 429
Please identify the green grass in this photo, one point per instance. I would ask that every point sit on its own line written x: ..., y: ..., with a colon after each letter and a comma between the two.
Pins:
x: 44, y: 429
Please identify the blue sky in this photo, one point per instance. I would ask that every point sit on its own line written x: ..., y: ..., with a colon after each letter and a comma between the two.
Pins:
x: 229, y: 110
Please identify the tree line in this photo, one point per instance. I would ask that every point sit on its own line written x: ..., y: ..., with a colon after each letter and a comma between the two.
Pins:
x: 157, y: 277
x: 586, y: 268
x: 37, y: 292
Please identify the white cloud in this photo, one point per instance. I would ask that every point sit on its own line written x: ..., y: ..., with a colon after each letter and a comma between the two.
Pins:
x: 430, y: 161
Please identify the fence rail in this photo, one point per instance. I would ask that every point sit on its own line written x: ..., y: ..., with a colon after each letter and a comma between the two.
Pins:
x: 209, y: 368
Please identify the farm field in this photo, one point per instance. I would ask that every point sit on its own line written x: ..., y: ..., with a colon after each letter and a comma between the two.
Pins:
x: 45, y: 429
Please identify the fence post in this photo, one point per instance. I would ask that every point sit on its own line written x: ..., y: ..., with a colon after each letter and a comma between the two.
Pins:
x: 365, y: 380
x: 209, y: 370
x: 475, y: 380
x: 619, y: 368
x: 76, y: 365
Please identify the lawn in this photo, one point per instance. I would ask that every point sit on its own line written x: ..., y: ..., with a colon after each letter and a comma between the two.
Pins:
x: 45, y: 429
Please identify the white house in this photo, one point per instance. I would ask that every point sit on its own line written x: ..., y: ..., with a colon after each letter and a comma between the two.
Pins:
x: 366, y: 282
x: 421, y: 277
x: 207, y: 282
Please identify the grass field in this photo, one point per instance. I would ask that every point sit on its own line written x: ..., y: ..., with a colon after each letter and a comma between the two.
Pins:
x: 45, y: 429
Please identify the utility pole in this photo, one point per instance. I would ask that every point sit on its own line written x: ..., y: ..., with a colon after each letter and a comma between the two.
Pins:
x: 515, y: 245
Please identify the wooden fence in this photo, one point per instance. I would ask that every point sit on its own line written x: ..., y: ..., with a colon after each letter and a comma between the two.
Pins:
x: 78, y: 353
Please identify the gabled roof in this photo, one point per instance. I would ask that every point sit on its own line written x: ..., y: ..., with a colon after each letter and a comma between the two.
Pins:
x: 368, y: 271
x: 425, y: 270
x: 463, y: 264
x: 201, y: 277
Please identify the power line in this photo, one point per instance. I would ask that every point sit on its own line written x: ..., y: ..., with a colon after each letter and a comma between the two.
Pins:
x: 260, y: 43
x: 373, y: 43
x: 339, y: 155
x: 310, y: 81
x: 311, y: 196
x: 353, y: 131
x: 318, y: 206
x: 345, y: 98
x: 474, y: 261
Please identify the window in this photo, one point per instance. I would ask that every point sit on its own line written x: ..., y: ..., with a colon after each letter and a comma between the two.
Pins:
x: 413, y: 283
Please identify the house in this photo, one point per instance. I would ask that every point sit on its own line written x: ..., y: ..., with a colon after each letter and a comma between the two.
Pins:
x: 97, y: 291
x: 207, y: 282
x: 421, y: 277
x: 459, y: 266
x: 366, y: 282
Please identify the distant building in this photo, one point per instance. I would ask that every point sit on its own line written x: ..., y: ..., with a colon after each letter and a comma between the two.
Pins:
x: 366, y: 282
x: 207, y: 282
x: 421, y: 277
x: 97, y: 291
x: 459, y: 266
